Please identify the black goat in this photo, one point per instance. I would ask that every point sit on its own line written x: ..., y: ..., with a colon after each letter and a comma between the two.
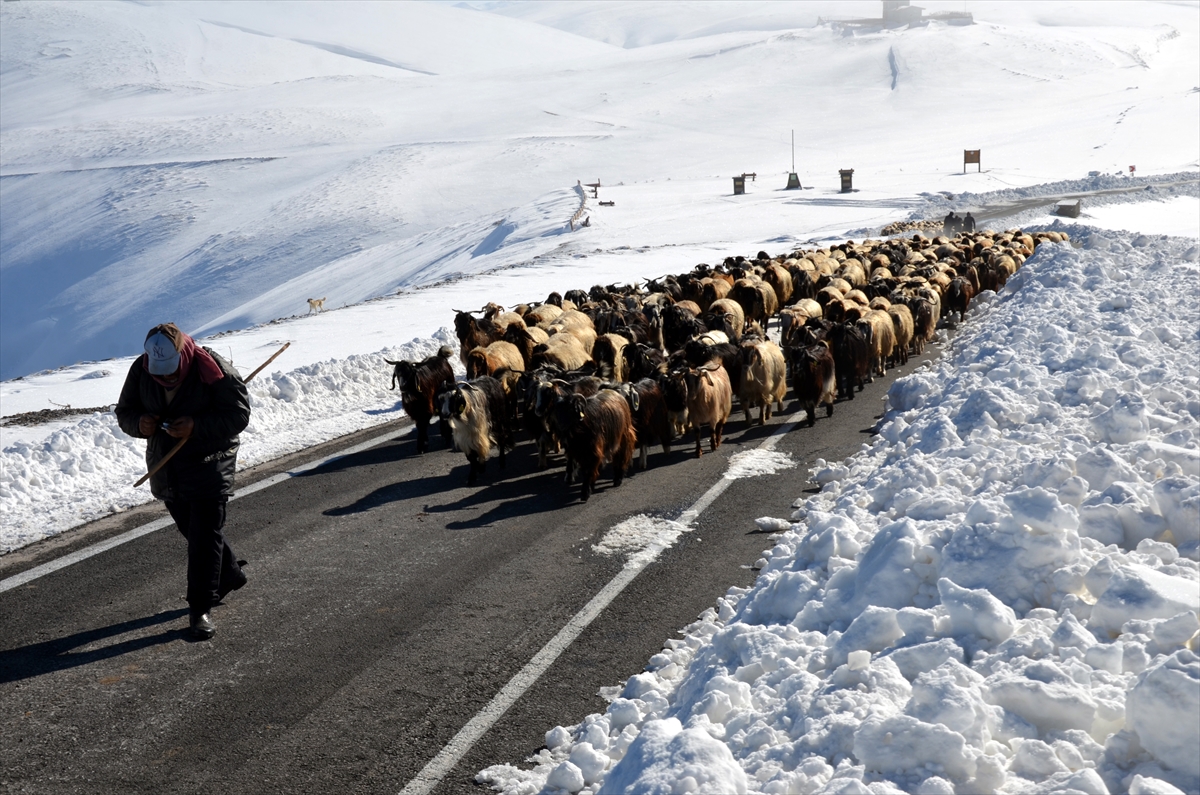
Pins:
x: 419, y: 386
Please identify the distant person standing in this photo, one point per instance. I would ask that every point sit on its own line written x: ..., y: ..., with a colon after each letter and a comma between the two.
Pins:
x: 968, y: 223
x: 179, y: 390
x: 951, y: 225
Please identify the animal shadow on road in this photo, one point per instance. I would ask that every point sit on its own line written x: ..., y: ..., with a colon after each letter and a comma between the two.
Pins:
x: 50, y: 656
x: 526, y: 496
x: 494, y: 484
x: 394, y: 492
x: 381, y: 454
x: 519, y: 489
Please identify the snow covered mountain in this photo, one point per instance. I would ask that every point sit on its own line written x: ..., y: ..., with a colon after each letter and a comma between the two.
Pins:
x: 217, y: 163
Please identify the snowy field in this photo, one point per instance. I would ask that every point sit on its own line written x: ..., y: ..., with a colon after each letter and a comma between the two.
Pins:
x: 999, y: 594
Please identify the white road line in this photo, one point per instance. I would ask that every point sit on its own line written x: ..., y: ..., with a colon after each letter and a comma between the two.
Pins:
x: 29, y: 575
x: 437, y: 768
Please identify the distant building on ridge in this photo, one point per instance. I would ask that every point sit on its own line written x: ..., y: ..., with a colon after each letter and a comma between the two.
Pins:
x: 899, y: 14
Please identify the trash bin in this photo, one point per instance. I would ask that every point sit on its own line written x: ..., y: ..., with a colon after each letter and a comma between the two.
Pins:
x: 1068, y: 208
x: 739, y: 186
x: 847, y: 179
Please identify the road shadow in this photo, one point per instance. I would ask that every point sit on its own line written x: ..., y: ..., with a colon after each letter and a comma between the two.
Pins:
x: 380, y: 454
x: 744, y: 434
x: 415, y: 488
x: 403, y: 447
x: 50, y: 656
x: 494, y: 483
x: 526, y: 495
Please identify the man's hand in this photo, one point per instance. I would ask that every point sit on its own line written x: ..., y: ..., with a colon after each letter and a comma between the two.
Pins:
x: 181, y: 428
x: 147, y: 424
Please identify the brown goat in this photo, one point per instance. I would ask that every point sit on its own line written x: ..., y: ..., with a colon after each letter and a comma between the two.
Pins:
x: 473, y: 333
x: 764, y: 378
x: 813, y: 379
x: 598, y: 430
x: 709, y: 400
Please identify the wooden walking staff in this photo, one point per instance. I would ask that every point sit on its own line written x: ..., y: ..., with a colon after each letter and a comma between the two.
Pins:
x: 163, y: 461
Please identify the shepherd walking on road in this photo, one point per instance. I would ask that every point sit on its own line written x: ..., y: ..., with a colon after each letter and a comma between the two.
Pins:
x: 178, y: 391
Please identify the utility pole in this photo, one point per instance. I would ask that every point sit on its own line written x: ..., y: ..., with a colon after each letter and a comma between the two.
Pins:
x: 793, y: 180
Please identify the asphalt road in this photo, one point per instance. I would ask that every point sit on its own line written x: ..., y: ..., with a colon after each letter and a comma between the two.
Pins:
x: 1000, y: 211
x: 387, y: 604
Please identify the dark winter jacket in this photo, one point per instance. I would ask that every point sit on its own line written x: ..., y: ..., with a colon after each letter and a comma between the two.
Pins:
x: 204, y: 467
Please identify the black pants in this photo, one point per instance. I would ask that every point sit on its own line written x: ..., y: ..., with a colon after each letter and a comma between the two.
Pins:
x: 209, y: 557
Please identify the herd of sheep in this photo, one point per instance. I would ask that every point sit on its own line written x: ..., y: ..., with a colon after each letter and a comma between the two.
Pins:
x: 601, y: 373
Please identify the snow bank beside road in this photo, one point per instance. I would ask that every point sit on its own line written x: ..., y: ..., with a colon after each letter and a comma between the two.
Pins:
x: 999, y: 595
x: 87, y: 470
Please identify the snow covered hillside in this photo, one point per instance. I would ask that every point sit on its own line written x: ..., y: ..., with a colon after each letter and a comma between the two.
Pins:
x: 218, y: 163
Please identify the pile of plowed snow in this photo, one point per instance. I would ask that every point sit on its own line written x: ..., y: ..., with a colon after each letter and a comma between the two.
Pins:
x: 1000, y: 594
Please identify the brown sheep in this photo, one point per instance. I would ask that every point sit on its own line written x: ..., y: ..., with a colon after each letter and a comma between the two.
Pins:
x: 882, y: 339
x: 730, y: 307
x: 543, y: 315
x: 958, y: 297
x: 485, y: 361
x: 650, y: 422
x: 578, y: 325
x: 713, y: 290
x: 926, y: 310
x: 608, y: 354
x: 562, y: 350
x: 858, y: 297
x: 756, y: 297
x: 502, y: 319
x: 841, y: 285
x: 853, y: 272
x: 791, y: 319
x: 526, y: 339
x: 902, y: 323
x: 780, y: 280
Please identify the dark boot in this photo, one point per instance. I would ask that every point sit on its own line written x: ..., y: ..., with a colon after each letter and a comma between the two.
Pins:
x: 202, y: 627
